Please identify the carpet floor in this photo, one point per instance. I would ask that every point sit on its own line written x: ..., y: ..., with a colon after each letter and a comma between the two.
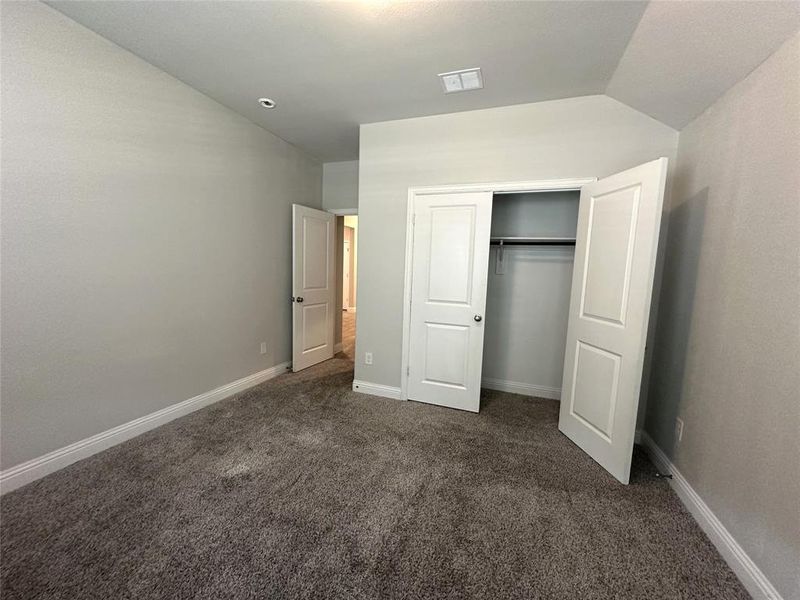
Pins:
x: 300, y: 488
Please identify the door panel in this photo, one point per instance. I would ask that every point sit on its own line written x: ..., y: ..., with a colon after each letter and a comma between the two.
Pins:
x: 596, y: 371
x: 315, y: 326
x: 609, y: 252
x: 449, y: 271
x: 313, y: 286
x: 315, y: 247
x: 450, y: 343
x: 615, y: 253
x: 451, y: 242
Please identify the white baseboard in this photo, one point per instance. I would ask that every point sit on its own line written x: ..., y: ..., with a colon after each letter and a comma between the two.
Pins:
x: 34, y: 469
x: 526, y: 389
x: 746, y: 570
x: 376, y: 389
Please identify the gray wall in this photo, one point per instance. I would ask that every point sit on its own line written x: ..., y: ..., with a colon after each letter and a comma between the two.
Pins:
x: 553, y: 214
x: 579, y: 137
x: 340, y: 184
x: 146, y: 245
x: 727, y: 351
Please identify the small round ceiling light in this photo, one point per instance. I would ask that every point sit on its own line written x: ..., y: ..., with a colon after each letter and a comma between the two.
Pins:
x: 267, y: 102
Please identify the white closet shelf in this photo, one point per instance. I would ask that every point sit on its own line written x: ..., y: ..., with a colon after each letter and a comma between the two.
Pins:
x: 547, y: 241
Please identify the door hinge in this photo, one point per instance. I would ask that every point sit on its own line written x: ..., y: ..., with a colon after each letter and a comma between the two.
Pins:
x: 408, y: 371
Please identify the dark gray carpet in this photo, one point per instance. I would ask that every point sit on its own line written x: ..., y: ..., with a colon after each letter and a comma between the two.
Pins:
x: 300, y: 488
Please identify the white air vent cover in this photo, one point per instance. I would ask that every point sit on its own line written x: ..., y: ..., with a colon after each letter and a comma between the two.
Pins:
x: 461, y: 81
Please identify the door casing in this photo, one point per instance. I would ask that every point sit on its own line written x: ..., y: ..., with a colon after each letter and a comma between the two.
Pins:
x: 551, y: 185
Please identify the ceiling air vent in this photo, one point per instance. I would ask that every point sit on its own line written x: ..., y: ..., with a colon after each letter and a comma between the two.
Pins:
x: 461, y: 81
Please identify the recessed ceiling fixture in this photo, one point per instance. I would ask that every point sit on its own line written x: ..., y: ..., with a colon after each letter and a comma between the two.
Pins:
x: 267, y: 102
x: 462, y: 81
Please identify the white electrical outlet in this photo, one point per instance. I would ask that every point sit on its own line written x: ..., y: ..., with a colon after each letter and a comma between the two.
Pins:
x: 263, y: 347
x: 368, y: 358
x: 679, y: 429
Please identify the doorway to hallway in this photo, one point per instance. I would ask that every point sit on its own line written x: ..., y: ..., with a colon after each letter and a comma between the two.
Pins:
x: 347, y: 228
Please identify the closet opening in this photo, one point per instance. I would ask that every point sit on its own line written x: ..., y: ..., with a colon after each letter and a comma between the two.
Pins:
x: 532, y: 248
x: 529, y: 287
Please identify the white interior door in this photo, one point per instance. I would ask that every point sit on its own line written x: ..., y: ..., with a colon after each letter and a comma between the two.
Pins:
x: 313, y: 286
x: 615, y: 254
x: 448, y: 298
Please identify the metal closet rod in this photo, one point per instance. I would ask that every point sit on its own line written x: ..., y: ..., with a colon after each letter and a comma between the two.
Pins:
x: 532, y: 241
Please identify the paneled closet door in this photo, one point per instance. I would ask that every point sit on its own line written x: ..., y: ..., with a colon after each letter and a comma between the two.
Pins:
x: 618, y: 224
x: 448, y: 298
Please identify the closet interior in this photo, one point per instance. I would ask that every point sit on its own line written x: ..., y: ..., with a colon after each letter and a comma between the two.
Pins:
x: 530, y: 278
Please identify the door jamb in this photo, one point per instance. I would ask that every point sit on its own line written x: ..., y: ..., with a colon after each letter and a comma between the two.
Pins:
x: 544, y: 185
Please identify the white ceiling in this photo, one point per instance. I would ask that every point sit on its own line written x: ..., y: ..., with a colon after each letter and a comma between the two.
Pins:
x: 333, y: 65
x: 685, y: 55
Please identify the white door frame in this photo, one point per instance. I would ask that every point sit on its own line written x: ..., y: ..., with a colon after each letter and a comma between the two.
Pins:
x: 544, y: 185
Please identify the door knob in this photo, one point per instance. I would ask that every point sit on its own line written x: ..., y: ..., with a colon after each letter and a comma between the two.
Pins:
x: 299, y: 298
x: 478, y: 318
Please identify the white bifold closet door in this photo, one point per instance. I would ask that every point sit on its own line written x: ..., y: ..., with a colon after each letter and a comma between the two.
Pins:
x: 448, y: 298
x: 612, y: 281
x: 313, y: 286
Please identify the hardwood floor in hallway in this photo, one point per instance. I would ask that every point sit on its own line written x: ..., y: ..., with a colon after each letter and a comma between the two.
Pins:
x: 349, y: 334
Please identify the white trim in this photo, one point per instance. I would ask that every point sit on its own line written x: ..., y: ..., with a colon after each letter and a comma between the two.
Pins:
x: 342, y: 212
x: 506, y: 187
x: 498, y: 187
x: 517, y: 387
x: 376, y: 389
x: 407, y: 278
x: 337, y: 348
x: 746, y: 570
x: 34, y: 469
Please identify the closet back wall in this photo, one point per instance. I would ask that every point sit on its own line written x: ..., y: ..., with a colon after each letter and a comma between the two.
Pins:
x: 527, y: 304
x: 591, y: 136
x: 146, y: 236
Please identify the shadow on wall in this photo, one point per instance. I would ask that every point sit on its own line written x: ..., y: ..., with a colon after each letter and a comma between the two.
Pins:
x: 678, y: 287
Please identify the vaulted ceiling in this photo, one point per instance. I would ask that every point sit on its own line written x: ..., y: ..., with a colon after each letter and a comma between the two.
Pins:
x: 334, y: 65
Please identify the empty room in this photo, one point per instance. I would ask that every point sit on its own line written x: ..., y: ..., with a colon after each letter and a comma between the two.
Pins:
x: 399, y: 299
